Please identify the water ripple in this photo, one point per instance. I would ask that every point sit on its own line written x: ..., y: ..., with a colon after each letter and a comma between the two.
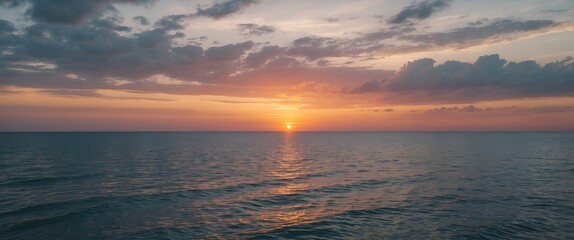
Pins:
x: 286, y: 186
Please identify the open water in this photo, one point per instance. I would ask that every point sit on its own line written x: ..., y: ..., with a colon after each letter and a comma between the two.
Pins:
x: 273, y: 185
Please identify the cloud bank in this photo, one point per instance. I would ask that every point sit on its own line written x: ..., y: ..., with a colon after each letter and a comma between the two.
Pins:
x: 77, y: 47
x: 488, y: 78
x: 66, y: 11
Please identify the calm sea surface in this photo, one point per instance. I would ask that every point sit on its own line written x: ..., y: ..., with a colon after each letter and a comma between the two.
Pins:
x: 221, y: 185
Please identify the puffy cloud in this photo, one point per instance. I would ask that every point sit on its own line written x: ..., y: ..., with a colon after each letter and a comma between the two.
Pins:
x: 66, y: 11
x: 419, y: 11
x: 100, y: 50
x: 254, y: 29
x: 220, y: 10
x: 97, y: 52
x: 488, y: 78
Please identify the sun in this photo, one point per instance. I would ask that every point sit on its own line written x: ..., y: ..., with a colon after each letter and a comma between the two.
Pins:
x: 288, y: 126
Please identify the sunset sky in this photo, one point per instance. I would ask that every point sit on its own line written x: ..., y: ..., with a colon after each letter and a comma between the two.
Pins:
x: 318, y: 65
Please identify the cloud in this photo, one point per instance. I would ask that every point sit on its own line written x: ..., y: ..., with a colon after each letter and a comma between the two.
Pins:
x: 224, y: 9
x: 556, y: 10
x: 510, y: 109
x: 171, y: 22
x: 332, y: 19
x: 368, y: 86
x: 488, y: 78
x: 110, y: 24
x: 387, y: 110
x: 228, y: 52
x: 260, y: 58
x: 66, y: 11
x: 466, y: 109
x: 473, y: 35
x: 401, y: 39
x: 419, y: 11
x: 141, y: 20
x: 97, y: 52
x: 72, y: 92
x: 314, y: 48
x: 254, y: 29
x: 100, y: 49
x: 6, y: 27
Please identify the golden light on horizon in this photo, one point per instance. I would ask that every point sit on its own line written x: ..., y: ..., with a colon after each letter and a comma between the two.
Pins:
x: 288, y: 126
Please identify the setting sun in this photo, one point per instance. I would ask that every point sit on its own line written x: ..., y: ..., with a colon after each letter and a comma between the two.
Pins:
x: 288, y: 126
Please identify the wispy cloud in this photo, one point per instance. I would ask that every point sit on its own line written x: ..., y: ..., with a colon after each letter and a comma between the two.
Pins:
x: 254, y: 29
x: 473, y: 35
x: 220, y: 10
x: 419, y: 11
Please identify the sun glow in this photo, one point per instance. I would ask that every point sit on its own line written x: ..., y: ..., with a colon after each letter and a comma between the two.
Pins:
x: 288, y: 126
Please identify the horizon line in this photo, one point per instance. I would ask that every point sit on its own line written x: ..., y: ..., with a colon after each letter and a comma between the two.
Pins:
x: 294, y: 131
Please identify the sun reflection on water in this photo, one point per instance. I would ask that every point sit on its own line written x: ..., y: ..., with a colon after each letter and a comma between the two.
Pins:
x: 288, y: 166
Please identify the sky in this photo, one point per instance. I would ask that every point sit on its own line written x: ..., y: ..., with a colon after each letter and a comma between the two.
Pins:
x: 261, y: 65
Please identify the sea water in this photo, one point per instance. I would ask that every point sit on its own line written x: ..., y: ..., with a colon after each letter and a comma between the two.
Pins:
x: 297, y: 185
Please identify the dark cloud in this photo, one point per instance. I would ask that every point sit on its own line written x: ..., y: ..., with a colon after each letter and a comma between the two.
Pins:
x: 259, y: 58
x: 224, y: 9
x: 66, y: 11
x: 141, y: 20
x: 368, y: 86
x: 498, y: 30
x: 110, y: 25
x: 12, y: 3
x: 43, y: 55
x: 171, y: 22
x: 104, y: 55
x: 254, y: 29
x: 419, y: 11
x: 489, y: 78
x: 228, y: 52
x: 6, y: 27
x: 314, y: 48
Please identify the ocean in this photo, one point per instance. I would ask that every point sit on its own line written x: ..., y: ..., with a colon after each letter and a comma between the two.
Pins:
x: 297, y: 185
